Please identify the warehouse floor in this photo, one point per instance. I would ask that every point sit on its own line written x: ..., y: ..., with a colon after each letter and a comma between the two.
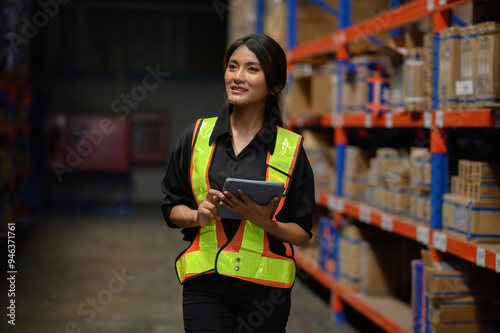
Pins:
x: 109, y: 274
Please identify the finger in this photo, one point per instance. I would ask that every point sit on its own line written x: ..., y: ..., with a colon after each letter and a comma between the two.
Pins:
x: 214, y: 196
x: 273, y: 202
x: 229, y: 197
x: 228, y: 206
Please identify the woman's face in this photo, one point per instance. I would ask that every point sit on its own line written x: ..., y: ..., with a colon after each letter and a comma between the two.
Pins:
x: 245, y: 80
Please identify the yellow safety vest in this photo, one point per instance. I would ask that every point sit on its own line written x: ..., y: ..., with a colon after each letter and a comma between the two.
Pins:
x: 247, y: 255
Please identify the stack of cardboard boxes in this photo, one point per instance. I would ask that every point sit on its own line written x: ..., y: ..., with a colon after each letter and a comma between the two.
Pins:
x: 420, y: 184
x: 373, y: 262
x: 312, y: 91
x: 469, y: 67
x: 314, y: 22
x: 472, y: 209
x: 456, y: 297
x: 322, y: 157
x: 389, y: 179
x: 356, y: 166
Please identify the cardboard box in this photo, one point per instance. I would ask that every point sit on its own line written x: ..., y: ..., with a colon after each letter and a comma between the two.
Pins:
x: 299, y: 96
x: 484, y: 191
x: 323, y: 92
x: 463, y: 309
x: 464, y: 86
x: 464, y: 169
x: 380, y: 268
x: 241, y: 18
x: 314, y: 22
x: 488, y: 69
x: 484, y: 171
x: 449, y: 280
x: 455, y: 185
x: 356, y: 161
x: 351, y: 252
x: 462, y: 328
x: 428, y: 70
x: 399, y: 202
x: 449, y: 60
x: 322, y: 157
x: 473, y: 220
x: 413, y: 80
x: 350, y: 258
x: 477, y: 11
x: 354, y: 187
x: 399, y: 178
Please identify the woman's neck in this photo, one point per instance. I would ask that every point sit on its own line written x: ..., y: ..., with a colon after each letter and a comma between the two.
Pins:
x: 247, y: 120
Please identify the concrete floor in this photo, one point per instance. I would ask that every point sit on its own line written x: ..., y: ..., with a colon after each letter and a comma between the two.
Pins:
x: 115, y: 274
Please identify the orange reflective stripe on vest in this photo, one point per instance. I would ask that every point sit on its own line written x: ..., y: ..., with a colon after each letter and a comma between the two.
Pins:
x: 246, y: 256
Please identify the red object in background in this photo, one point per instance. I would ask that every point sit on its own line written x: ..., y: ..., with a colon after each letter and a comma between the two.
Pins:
x: 149, y: 137
x: 87, y: 142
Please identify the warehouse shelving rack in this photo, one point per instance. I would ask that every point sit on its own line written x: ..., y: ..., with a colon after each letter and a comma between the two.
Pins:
x: 437, y: 121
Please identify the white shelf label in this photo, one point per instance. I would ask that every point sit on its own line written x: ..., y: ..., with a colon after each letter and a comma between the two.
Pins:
x: 443, y: 2
x: 439, y: 241
x: 365, y: 214
x: 428, y: 119
x: 340, y: 205
x: 387, y: 223
x: 368, y: 120
x: 430, y: 5
x: 389, y: 120
x: 481, y: 257
x: 337, y: 120
x: 497, y: 263
x: 464, y: 88
x: 497, y: 118
x: 439, y: 119
x: 331, y: 203
x: 423, y: 235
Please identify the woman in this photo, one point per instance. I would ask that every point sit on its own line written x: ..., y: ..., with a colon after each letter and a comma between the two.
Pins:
x: 237, y: 274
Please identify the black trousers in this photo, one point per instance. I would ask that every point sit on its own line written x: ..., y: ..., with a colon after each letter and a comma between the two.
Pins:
x: 217, y: 303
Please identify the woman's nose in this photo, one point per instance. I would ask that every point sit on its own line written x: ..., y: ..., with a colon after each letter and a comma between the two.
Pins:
x: 239, y: 76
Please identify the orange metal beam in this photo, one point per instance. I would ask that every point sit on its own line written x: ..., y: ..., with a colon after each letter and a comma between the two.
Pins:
x: 405, y: 14
x: 313, y: 269
x: 375, y: 315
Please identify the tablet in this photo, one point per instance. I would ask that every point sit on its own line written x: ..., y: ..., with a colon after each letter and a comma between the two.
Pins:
x: 259, y: 191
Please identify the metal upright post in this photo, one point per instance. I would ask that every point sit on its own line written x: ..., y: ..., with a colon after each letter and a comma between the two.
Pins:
x: 292, y: 24
x: 340, y: 139
x: 259, y: 20
x: 438, y: 142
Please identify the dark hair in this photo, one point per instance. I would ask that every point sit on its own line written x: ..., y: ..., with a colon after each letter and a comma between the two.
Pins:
x: 272, y: 59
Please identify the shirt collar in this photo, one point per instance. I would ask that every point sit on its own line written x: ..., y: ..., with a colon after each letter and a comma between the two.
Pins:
x: 266, y: 135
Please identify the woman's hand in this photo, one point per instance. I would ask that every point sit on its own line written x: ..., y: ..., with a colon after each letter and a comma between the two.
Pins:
x: 249, y: 209
x: 261, y: 216
x: 207, y: 211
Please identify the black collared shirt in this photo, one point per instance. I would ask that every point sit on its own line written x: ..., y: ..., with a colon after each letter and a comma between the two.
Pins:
x: 299, y: 205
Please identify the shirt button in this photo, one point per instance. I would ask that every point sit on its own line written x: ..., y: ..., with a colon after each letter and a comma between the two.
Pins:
x: 237, y: 259
x: 236, y: 268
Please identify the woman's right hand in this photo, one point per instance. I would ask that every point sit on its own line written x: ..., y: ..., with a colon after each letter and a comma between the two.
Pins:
x: 207, y: 211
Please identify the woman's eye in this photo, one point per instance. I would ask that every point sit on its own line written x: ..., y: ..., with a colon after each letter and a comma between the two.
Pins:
x: 231, y: 67
x: 253, y: 69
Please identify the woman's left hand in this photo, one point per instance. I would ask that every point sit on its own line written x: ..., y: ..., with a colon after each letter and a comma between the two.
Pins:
x: 246, y: 207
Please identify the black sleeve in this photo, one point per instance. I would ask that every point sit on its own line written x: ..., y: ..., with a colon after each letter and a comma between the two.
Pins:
x: 175, y: 183
x: 300, y: 204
